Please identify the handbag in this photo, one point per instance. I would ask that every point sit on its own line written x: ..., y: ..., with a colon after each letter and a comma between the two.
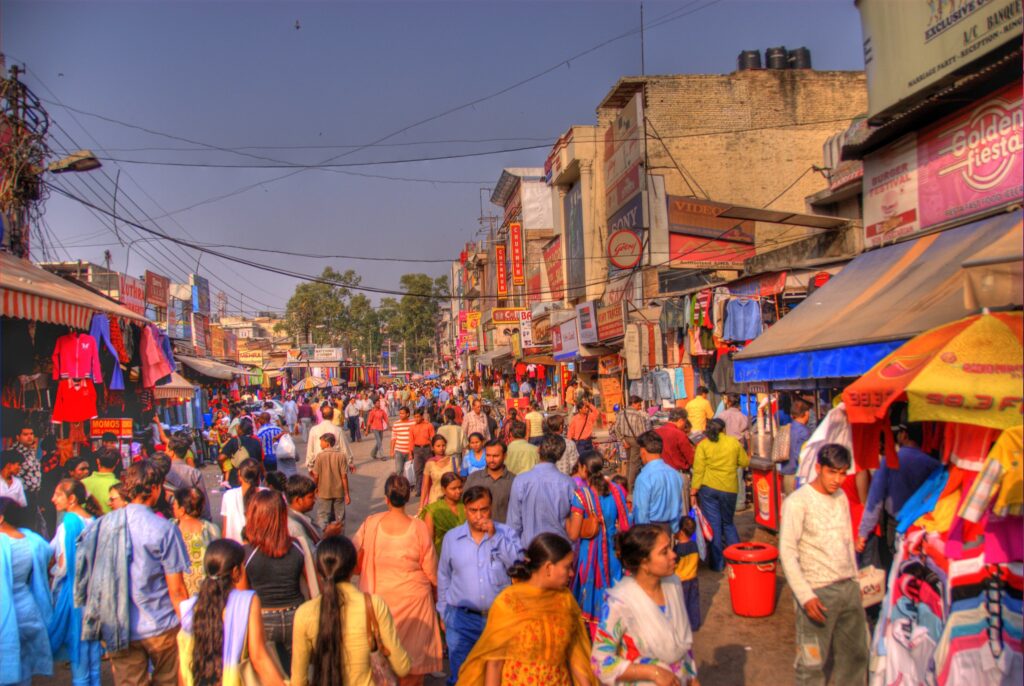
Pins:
x: 702, y: 523
x: 380, y: 667
x: 594, y: 521
x: 780, y: 446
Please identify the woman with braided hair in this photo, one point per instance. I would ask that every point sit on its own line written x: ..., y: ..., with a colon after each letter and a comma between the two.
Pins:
x: 222, y: 624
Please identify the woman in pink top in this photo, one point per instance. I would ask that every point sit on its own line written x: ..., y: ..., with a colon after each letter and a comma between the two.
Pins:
x: 397, y: 561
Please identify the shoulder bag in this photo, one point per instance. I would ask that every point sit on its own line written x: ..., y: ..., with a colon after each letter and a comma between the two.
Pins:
x: 780, y: 446
x: 594, y: 521
x: 380, y: 666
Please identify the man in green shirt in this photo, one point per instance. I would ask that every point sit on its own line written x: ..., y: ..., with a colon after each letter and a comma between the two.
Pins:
x: 99, y: 482
x: 522, y: 455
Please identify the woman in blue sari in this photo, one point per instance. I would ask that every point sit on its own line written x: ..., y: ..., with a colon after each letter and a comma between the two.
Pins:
x: 597, y: 566
x: 25, y: 606
x: 65, y: 626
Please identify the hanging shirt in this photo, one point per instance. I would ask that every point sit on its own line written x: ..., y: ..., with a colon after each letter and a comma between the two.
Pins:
x: 742, y: 320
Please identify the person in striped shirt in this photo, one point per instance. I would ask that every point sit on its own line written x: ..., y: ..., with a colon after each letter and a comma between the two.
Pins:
x: 401, y: 439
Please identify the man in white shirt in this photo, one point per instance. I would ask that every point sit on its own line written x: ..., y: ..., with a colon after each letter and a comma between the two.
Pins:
x: 817, y: 551
x: 324, y: 427
x: 10, y: 485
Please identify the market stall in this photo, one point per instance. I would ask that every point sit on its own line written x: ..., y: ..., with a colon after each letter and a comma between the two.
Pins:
x: 952, y: 612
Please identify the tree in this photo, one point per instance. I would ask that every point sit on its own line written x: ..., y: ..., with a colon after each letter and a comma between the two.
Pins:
x: 316, y: 311
x: 418, y: 314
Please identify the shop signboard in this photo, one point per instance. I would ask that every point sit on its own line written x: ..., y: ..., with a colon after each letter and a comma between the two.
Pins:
x: 623, y: 140
x: 968, y: 163
x: 230, y: 345
x: 510, y: 315
x: 253, y: 357
x: 611, y: 323
x: 541, y: 329
x: 119, y: 426
x: 701, y: 252
x: 217, y: 342
x: 323, y: 354
x: 157, y: 289
x: 609, y: 382
x: 534, y: 285
x: 526, y: 333
x: 624, y: 190
x: 890, y: 193
x: 553, y: 263
x: 132, y: 293
x: 575, y: 257
x: 472, y: 321
x: 625, y: 250
x: 972, y: 161
x: 565, y: 342
x: 201, y: 333
x: 912, y: 46
x: 694, y: 217
x: 501, y: 264
x: 586, y: 315
x: 517, y: 249
x: 200, y: 294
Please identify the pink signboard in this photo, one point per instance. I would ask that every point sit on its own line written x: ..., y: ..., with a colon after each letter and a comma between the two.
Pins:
x: 973, y: 160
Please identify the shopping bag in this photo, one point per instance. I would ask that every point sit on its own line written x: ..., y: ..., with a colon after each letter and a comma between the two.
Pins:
x: 285, y: 448
x: 872, y: 585
x: 780, y: 446
x: 702, y: 523
x: 409, y: 471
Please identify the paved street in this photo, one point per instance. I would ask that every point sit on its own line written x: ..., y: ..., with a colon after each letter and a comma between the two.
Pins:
x: 730, y: 650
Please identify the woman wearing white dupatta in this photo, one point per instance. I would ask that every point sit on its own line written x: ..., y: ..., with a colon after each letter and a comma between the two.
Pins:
x: 644, y: 634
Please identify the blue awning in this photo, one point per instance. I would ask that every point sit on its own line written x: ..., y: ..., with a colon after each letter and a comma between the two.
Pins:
x: 880, y: 300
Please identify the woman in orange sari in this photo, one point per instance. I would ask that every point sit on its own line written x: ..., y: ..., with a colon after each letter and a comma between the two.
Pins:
x: 534, y: 632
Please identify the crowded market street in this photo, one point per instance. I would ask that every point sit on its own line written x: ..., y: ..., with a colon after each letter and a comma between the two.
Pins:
x: 561, y: 343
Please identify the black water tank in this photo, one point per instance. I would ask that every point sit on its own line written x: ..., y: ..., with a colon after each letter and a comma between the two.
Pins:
x: 749, y: 59
x: 800, y: 58
x: 776, y: 58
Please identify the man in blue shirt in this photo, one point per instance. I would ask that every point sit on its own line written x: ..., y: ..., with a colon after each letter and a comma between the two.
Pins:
x: 155, y: 583
x: 798, y: 435
x: 891, y: 488
x: 475, y: 557
x: 658, y: 493
x: 541, y: 498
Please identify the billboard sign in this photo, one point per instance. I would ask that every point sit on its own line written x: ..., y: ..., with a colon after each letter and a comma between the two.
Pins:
x: 132, y: 293
x: 572, y: 207
x: 516, y: 247
x: 501, y: 264
x: 510, y: 315
x: 565, y: 343
x: 201, y: 338
x: 968, y: 163
x: 553, y: 263
x: 695, y: 217
x: 611, y: 323
x: 200, y: 294
x: 912, y: 46
x: 253, y: 357
x: 157, y: 289
x: 586, y: 316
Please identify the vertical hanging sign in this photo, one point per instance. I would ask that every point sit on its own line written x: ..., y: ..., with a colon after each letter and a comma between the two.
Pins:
x: 515, y: 233
x: 502, y: 267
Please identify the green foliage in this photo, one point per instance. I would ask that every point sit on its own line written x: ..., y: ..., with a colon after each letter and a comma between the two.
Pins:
x: 330, y: 314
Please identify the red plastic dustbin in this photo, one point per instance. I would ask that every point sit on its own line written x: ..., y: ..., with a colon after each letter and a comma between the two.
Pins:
x: 751, y: 568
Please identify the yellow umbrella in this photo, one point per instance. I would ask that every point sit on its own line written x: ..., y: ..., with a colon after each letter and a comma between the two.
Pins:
x: 311, y: 382
x: 977, y: 377
x: 968, y: 371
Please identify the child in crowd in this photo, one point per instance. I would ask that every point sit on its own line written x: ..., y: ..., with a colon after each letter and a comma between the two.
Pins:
x: 686, y: 569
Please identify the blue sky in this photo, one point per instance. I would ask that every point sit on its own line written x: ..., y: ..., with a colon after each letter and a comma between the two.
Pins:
x: 241, y: 75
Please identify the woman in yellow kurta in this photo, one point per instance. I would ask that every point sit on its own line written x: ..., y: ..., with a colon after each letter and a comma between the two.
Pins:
x: 399, y: 563
x: 338, y: 652
x: 534, y: 632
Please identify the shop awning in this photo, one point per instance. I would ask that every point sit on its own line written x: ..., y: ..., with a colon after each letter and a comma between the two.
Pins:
x: 491, y: 356
x: 879, y: 300
x: 210, y: 368
x: 995, y: 274
x: 178, y: 387
x: 28, y: 292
